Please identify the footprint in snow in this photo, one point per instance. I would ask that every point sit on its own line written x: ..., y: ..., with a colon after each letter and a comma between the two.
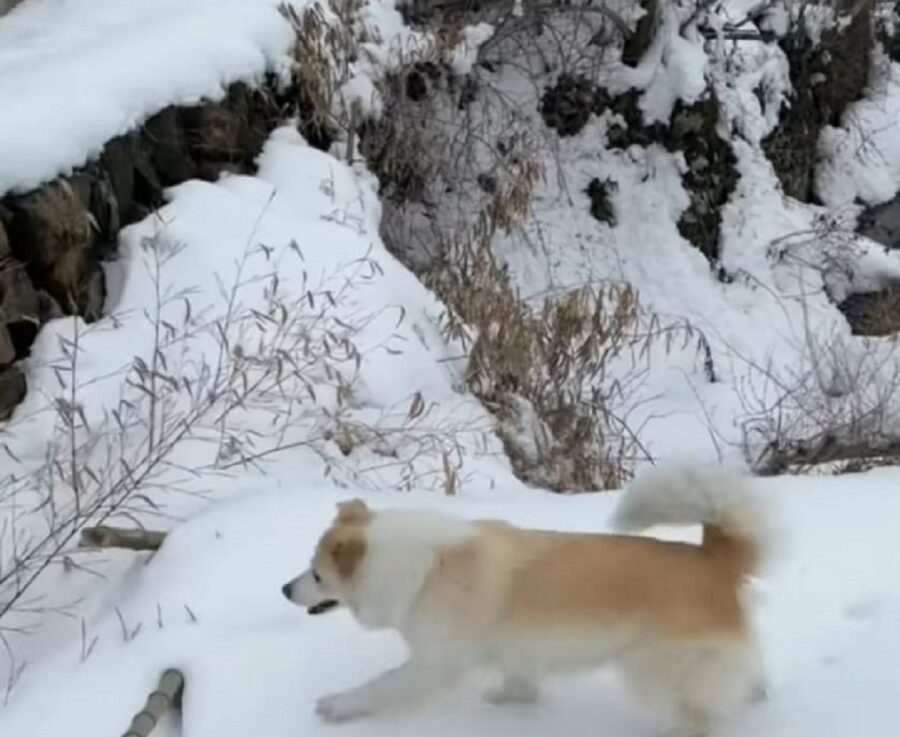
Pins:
x: 863, y: 608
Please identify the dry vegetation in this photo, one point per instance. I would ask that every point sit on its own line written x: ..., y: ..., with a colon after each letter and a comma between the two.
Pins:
x: 225, y: 388
x: 456, y: 160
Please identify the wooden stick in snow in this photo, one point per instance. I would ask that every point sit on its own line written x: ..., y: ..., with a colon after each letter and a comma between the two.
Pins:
x: 118, y: 537
x: 167, y: 694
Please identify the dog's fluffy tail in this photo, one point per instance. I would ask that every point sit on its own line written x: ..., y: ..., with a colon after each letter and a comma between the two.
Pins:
x: 735, y: 527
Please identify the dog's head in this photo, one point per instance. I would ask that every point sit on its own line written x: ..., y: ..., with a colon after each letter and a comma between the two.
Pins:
x: 328, y: 581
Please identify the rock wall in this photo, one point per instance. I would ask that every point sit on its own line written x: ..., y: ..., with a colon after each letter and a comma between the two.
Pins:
x: 54, y: 239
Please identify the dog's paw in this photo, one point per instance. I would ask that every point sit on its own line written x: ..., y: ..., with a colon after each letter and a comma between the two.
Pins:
x: 512, y: 691
x: 341, y: 707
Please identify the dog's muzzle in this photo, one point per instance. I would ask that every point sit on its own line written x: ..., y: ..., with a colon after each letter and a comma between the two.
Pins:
x: 323, y: 606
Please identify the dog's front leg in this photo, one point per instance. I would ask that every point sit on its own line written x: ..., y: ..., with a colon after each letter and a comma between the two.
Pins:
x: 413, y: 680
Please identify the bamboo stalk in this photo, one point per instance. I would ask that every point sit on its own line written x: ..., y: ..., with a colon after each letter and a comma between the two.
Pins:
x: 167, y: 693
x: 118, y: 537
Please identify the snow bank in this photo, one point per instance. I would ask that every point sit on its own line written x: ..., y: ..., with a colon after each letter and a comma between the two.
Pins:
x: 76, y: 73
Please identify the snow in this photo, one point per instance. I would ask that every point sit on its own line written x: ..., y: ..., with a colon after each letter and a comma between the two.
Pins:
x: 861, y: 159
x: 392, y: 413
x: 76, y: 73
x: 254, y: 663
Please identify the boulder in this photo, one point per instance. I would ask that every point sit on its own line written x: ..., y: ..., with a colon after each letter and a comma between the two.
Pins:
x: 51, y: 234
x: 12, y: 390
x: 20, y: 312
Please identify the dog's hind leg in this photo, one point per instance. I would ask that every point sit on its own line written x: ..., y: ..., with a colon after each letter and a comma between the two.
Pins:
x: 513, y: 689
x: 698, y: 682
x: 714, y: 682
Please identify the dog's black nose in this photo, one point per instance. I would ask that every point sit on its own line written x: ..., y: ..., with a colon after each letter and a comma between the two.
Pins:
x: 286, y: 590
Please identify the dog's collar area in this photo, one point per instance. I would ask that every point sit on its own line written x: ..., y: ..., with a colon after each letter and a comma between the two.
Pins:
x: 323, y: 606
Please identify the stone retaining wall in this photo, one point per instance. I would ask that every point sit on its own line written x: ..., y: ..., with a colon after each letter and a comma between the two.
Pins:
x: 53, y: 239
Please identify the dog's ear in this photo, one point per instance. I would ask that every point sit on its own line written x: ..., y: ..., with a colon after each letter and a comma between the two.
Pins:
x: 346, y: 552
x: 353, y: 512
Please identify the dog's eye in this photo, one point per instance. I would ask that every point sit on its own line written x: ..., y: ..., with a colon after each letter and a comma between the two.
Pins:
x: 316, y: 577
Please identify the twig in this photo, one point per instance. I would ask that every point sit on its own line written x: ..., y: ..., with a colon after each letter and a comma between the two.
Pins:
x: 777, y: 459
x: 118, y: 537
x: 610, y: 15
x: 735, y: 34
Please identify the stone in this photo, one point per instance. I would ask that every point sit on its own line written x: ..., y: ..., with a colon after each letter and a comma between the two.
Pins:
x: 51, y: 234
x: 117, y: 161
x: 214, y: 133
x: 104, y: 208
x: 94, y: 292
x: 5, y: 251
x: 19, y: 306
x: 229, y: 134
x: 168, y: 145
x: 13, y: 388
x: 873, y: 313
x: 7, y: 349
x: 600, y: 194
x: 48, y: 308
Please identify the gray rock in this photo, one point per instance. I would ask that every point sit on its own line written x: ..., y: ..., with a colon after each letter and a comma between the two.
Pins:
x: 48, y: 308
x: 5, y: 251
x: 19, y: 307
x: 94, y: 293
x: 7, y: 349
x: 12, y: 390
x: 168, y: 144
x: 51, y: 233
x: 117, y: 163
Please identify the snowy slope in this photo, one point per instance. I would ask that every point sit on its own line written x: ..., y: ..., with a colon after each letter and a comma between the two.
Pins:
x: 76, y: 73
x: 788, y: 262
x: 209, y: 602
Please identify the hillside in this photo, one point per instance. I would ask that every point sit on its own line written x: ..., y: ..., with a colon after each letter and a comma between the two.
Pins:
x: 479, y: 258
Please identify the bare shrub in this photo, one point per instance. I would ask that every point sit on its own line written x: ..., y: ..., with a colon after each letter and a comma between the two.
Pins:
x: 270, y: 366
x: 325, y: 43
x: 559, y: 379
x: 826, y: 397
x: 456, y: 159
x: 837, y: 406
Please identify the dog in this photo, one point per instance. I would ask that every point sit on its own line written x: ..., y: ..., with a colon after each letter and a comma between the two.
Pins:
x: 529, y: 603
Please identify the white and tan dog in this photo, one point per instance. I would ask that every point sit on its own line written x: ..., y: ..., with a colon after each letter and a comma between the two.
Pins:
x: 529, y: 603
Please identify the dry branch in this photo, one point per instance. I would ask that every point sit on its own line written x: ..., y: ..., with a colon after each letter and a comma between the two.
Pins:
x: 780, y: 458
x: 118, y: 537
x: 167, y: 693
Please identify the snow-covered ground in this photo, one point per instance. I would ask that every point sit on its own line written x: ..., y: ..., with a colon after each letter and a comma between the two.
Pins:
x: 382, y: 410
x: 209, y: 603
